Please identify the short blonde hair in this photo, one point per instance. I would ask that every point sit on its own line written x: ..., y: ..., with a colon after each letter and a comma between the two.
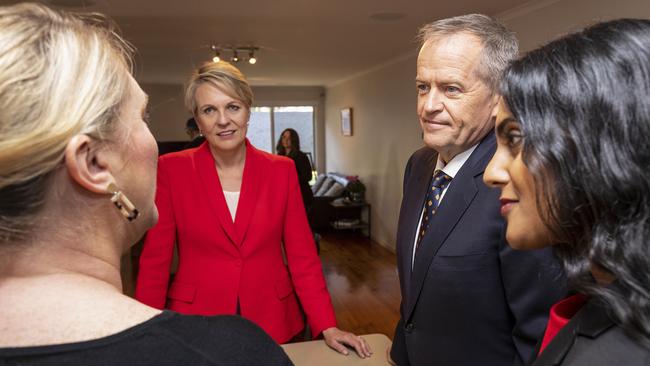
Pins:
x: 223, y: 76
x: 60, y: 75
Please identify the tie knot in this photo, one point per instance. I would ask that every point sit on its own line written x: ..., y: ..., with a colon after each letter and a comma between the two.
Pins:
x: 440, y: 179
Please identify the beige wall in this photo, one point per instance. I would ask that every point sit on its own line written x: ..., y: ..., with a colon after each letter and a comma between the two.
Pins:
x: 385, y: 127
x: 385, y: 131
x: 167, y: 112
x: 560, y: 17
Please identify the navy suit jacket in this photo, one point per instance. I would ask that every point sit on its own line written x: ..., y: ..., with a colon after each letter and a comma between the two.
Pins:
x: 469, y: 299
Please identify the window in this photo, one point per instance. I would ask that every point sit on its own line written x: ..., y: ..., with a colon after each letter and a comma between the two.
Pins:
x: 259, y: 129
x: 267, y: 123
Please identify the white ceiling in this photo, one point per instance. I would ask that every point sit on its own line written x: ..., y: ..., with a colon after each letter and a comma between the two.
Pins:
x: 303, y: 42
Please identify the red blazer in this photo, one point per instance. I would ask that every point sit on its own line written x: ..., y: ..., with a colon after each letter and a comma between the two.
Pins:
x: 221, y: 261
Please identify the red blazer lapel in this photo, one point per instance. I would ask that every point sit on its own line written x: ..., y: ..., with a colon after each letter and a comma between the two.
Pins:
x: 213, y: 191
x: 254, y: 173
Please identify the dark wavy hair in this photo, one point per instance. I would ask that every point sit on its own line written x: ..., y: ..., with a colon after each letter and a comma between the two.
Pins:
x: 584, y: 105
x: 295, y: 142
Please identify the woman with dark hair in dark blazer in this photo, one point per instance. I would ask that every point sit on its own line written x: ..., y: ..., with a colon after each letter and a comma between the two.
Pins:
x: 572, y: 164
x: 289, y: 146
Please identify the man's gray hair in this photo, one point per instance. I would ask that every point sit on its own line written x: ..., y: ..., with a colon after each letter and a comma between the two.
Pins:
x: 500, y: 46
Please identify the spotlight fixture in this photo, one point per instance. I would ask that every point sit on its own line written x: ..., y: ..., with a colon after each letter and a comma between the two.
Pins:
x: 221, y: 52
x: 251, y: 57
x: 216, y: 57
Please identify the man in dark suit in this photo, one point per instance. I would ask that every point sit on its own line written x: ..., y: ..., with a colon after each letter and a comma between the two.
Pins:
x: 467, y: 297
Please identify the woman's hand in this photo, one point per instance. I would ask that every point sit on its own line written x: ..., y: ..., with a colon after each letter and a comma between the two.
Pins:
x: 338, y: 340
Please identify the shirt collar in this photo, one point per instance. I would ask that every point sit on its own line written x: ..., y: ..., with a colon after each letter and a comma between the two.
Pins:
x: 454, y: 165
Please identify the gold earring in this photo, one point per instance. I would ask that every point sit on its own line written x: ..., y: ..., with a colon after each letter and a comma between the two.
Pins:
x: 119, y: 199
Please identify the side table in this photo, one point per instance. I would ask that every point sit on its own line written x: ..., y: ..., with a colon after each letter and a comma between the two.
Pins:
x: 352, y: 216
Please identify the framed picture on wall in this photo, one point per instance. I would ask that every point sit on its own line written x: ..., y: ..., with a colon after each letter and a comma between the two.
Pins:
x: 346, y: 121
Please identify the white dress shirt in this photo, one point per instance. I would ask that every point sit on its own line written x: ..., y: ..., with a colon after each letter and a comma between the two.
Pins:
x: 451, y: 169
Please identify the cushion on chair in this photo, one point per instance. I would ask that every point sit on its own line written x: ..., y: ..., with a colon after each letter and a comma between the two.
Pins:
x: 318, y: 183
x: 331, y: 186
x: 335, y: 190
x: 327, y: 184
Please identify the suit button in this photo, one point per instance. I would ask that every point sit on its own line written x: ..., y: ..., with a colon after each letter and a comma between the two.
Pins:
x: 409, y: 327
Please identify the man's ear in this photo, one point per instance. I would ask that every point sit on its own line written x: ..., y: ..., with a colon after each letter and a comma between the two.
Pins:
x: 87, y: 165
x: 496, y: 98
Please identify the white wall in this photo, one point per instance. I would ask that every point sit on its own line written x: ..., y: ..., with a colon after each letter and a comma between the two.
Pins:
x: 385, y: 127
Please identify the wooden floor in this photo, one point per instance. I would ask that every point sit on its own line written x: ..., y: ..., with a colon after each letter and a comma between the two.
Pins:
x: 363, y: 283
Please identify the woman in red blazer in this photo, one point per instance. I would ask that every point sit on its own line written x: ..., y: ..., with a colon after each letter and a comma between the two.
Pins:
x: 231, y: 209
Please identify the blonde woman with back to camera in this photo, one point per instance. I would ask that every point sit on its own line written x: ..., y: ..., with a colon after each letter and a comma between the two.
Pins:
x: 77, y: 182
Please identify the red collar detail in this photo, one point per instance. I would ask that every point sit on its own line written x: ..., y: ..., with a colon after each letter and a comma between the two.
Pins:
x: 561, y: 314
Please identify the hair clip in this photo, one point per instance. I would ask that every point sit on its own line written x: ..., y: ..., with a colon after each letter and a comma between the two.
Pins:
x: 119, y: 199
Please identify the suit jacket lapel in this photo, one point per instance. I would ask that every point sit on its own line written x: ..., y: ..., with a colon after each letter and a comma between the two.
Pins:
x: 254, y: 170
x: 413, y: 201
x: 204, y: 164
x: 555, y: 352
x: 457, y: 199
x: 590, y: 322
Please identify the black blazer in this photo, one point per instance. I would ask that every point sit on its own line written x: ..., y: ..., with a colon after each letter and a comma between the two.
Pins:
x: 592, y: 338
x: 470, y: 299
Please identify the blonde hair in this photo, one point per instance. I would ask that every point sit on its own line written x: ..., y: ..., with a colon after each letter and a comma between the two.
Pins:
x: 60, y: 75
x: 222, y: 75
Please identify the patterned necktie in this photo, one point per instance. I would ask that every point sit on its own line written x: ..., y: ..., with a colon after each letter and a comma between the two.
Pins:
x: 439, y: 181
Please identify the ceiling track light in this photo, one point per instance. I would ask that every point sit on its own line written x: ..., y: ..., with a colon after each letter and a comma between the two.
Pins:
x: 236, y: 53
x: 216, y: 57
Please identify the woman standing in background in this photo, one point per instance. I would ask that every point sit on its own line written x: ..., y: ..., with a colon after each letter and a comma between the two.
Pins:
x: 289, y: 146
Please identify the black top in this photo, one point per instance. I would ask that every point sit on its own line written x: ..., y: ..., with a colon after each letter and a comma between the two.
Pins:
x: 166, y: 339
x: 303, y: 167
x: 196, y: 142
